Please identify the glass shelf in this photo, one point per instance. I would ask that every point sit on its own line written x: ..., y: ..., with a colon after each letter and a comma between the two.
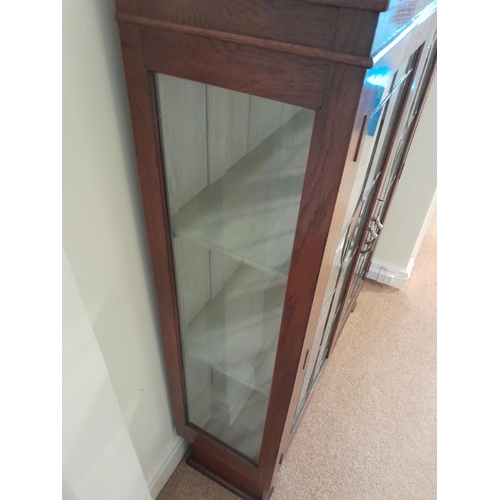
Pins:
x: 223, y: 334
x: 250, y: 213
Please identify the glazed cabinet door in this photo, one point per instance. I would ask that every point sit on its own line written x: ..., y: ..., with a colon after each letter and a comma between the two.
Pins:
x: 379, y: 104
x: 420, y: 65
x: 419, y: 70
x: 234, y: 168
x: 387, y: 102
x: 406, y: 130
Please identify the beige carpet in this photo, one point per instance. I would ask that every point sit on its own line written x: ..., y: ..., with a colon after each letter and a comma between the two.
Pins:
x: 370, y: 429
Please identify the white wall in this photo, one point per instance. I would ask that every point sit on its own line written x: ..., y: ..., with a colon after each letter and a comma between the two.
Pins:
x: 99, y: 460
x: 414, y: 201
x: 104, y: 232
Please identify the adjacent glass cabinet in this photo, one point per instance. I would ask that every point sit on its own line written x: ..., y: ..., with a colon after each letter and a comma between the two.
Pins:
x: 270, y: 137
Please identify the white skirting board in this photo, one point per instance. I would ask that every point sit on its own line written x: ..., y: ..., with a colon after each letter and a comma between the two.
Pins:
x: 158, y: 477
x: 389, y: 274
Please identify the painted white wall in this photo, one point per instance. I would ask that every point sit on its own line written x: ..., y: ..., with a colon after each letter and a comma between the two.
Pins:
x: 104, y: 232
x: 99, y: 460
x: 414, y: 202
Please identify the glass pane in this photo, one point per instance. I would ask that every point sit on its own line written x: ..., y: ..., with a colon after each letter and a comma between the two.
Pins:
x: 355, y: 229
x: 431, y: 53
x: 358, y: 279
x: 234, y: 168
x: 383, y: 154
x: 405, y: 128
x: 390, y: 108
x: 335, y: 307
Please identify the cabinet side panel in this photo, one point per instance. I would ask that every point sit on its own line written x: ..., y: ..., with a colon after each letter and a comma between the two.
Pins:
x: 232, y: 227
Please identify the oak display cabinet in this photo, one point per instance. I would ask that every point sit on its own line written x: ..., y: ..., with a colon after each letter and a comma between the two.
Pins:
x: 270, y: 137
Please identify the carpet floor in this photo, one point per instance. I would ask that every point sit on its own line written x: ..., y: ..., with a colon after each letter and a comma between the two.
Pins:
x: 369, y: 431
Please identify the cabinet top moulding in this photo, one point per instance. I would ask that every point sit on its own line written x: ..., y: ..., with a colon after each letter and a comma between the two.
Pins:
x: 370, y: 5
x: 305, y: 28
x: 301, y: 50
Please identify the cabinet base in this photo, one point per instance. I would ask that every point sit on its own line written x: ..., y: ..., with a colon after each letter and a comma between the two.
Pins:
x: 191, y: 461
